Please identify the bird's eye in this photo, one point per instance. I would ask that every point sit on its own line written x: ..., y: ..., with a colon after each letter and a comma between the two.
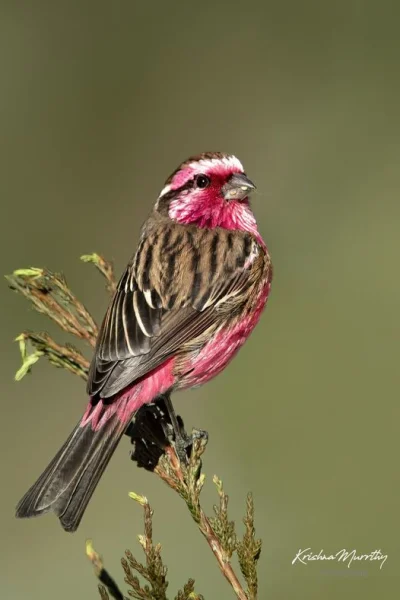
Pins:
x: 202, y: 181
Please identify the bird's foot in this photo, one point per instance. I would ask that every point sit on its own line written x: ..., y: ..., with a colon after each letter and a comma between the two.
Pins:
x: 183, y: 444
x: 154, y: 428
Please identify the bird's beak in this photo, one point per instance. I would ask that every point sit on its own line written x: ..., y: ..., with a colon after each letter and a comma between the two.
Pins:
x: 237, y: 187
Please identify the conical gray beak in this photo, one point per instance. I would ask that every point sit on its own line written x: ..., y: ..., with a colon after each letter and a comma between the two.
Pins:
x: 237, y: 187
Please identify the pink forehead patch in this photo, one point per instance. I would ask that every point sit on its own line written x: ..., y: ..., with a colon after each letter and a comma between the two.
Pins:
x: 221, y: 167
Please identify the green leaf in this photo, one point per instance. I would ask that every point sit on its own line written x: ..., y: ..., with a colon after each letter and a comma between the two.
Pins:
x: 27, y: 364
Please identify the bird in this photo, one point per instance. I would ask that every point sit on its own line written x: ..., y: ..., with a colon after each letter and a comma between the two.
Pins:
x: 187, y: 301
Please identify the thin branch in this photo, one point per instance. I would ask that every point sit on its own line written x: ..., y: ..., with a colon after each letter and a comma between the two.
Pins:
x: 105, y: 267
x: 154, y: 571
x: 249, y: 550
x: 188, y: 482
x: 66, y: 356
x: 50, y: 295
x: 103, y: 576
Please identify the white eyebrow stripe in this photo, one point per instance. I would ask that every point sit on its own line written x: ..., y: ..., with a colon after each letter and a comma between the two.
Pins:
x: 165, y: 190
x: 231, y: 162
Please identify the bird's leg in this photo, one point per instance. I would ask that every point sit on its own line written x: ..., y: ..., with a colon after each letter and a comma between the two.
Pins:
x: 156, y: 426
x: 183, y: 442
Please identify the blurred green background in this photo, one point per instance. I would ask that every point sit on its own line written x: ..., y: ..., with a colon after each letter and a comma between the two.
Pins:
x: 100, y: 101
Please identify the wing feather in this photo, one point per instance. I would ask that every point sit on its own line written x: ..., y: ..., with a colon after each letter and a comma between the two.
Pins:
x: 180, y: 284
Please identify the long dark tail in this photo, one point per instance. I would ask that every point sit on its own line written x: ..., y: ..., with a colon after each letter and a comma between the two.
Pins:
x: 67, y: 484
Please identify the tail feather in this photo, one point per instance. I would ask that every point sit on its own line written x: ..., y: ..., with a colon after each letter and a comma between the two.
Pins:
x: 67, y: 484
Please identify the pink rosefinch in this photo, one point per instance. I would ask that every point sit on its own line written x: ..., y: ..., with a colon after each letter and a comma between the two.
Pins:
x: 187, y: 301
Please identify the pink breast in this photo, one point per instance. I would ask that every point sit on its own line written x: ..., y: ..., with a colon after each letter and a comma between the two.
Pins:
x: 217, y: 353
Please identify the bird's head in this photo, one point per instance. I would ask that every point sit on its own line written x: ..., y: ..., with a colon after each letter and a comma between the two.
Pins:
x: 209, y: 190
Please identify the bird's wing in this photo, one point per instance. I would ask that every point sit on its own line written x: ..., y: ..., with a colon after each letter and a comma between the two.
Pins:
x: 181, y: 283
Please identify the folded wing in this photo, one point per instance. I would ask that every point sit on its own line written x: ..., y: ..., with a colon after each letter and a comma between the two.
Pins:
x: 182, y: 282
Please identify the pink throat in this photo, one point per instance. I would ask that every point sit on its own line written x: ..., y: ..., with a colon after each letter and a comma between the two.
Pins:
x: 216, y: 212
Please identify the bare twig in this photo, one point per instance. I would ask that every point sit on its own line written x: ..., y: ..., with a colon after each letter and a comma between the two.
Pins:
x: 66, y: 356
x: 103, y: 575
x: 105, y: 267
x: 50, y: 295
